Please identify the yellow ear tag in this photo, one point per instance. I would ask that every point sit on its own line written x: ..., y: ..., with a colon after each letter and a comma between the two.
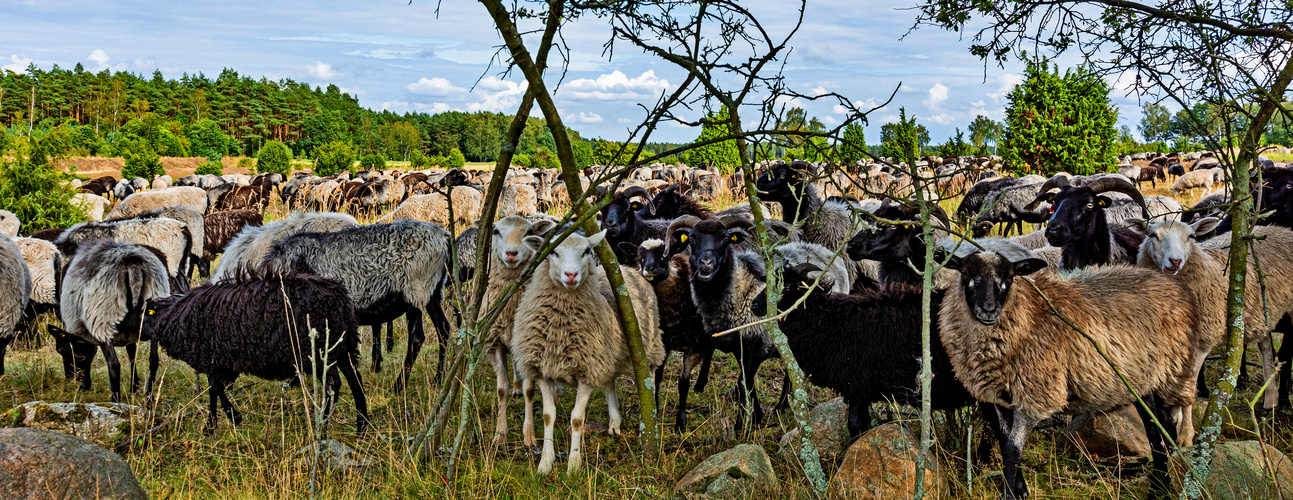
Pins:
x: 151, y: 312
x: 735, y: 237
x: 682, y: 237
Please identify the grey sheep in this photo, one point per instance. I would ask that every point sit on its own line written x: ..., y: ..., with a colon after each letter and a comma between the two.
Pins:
x: 248, y: 248
x: 191, y: 197
x: 191, y: 218
x: 15, y: 291
x: 171, y: 238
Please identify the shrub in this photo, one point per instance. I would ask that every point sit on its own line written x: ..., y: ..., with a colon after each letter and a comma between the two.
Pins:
x: 206, y: 139
x: 38, y: 195
x: 334, y: 157
x: 274, y: 158
x: 418, y: 159
x: 141, y: 160
x: 522, y: 159
x: 372, y: 161
x: 210, y: 168
x: 250, y: 164
x: 454, y: 159
x: 1059, y: 122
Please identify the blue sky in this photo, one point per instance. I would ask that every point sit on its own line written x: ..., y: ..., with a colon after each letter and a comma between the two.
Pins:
x: 402, y: 57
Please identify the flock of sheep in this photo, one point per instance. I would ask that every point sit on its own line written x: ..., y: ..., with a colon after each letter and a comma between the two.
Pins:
x: 295, y: 291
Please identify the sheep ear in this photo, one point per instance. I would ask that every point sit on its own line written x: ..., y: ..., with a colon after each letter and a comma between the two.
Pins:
x: 542, y: 226
x: 628, y: 248
x: 953, y: 262
x: 596, y: 239
x: 1138, y: 225
x: 1029, y: 266
x: 534, y: 242
x: 678, y: 241
x: 1205, y: 225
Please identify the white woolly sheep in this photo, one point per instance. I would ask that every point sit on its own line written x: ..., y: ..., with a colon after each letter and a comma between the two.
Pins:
x: 168, y: 236
x: 15, y: 290
x: 191, y: 197
x: 93, y: 204
x: 192, y: 219
x: 9, y: 224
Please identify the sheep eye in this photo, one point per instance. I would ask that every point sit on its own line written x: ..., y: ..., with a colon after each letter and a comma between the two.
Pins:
x: 1090, y: 206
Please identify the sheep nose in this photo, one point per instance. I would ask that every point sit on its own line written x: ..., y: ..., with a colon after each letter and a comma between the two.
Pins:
x: 1174, y: 263
x: 571, y: 277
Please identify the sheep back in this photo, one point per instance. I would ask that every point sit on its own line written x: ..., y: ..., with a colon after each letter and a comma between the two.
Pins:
x: 166, y: 235
x: 248, y: 248
x: 138, y: 203
x: 15, y: 286
x: 39, y: 256
x: 222, y: 227
x: 104, y: 283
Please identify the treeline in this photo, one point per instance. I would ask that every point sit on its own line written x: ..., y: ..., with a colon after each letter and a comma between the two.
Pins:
x: 84, y: 113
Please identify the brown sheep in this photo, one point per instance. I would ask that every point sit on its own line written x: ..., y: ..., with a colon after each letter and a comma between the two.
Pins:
x: 221, y: 227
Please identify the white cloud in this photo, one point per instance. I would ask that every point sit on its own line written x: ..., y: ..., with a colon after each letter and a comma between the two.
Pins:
x: 830, y: 120
x: 616, y: 86
x: 99, y: 57
x: 353, y: 91
x: 908, y: 89
x: 19, y: 64
x: 1007, y: 83
x: 819, y: 90
x: 497, y: 95
x: 395, y: 106
x: 621, y: 120
x: 434, y: 87
x: 323, y: 71
x: 584, y: 117
x: 435, y: 107
x: 937, y: 95
x: 943, y: 118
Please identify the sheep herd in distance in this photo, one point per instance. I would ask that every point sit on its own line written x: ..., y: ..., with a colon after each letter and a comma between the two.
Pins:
x: 159, y: 259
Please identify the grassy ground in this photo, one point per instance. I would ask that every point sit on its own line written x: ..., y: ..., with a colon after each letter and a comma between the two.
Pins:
x: 258, y: 458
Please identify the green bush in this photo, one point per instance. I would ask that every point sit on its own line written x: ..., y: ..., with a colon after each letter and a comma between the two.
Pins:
x: 372, y: 161
x: 418, y: 159
x: 250, y: 165
x: 334, y: 157
x: 38, y: 195
x: 207, y: 140
x: 210, y: 168
x: 1060, y: 122
x: 274, y: 158
x: 141, y: 160
x: 455, y: 159
x: 522, y: 160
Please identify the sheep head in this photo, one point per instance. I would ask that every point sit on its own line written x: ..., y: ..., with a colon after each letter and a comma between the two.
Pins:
x: 668, y: 203
x: 1168, y: 244
x: 987, y: 276
x: 573, y: 261
x: 784, y: 183
x: 712, y: 244
x: 509, y: 239
x: 654, y: 259
x: 1077, y: 210
x: 796, y: 281
x: 1277, y: 194
x: 678, y: 232
x: 618, y: 216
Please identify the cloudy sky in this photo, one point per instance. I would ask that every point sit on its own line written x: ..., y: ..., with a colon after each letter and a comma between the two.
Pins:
x: 401, y: 56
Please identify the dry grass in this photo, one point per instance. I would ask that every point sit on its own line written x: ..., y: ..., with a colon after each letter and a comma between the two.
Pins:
x: 257, y: 459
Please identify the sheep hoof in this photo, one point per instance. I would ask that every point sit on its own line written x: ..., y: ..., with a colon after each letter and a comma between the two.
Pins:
x: 576, y: 460
x: 545, y: 466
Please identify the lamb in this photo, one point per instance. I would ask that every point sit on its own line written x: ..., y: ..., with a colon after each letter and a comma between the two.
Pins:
x: 94, y: 205
x: 681, y: 327
x: 15, y: 291
x: 168, y: 236
x: 190, y: 197
x: 1170, y: 247
x: 403, y: 273
x: 267, y: 328
x: 9, y: 224
x: 1079, y: 225
x: 102, y: 298
x: 197, y: 228
x: 1194, y: 179
x: 220, y: 228
x: 567, y: 331
x: 510, y: 256
x: 1009, y: 349
x: 248, y: 248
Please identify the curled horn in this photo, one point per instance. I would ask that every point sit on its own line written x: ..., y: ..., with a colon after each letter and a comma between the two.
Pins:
x: 1058, y: 181
x: 1120, y: 185
x: 736, y: 221
x: 632, y: 191
x: 687, y: 222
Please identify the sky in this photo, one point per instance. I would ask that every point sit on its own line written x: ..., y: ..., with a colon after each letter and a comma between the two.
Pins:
x: 404, y: 56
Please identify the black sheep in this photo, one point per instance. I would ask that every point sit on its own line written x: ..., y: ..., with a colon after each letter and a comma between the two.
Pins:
x: 682, y: 329
x: 671, y: 204
x: 1078, y: 224
x: 867, y: 346
x: 241, y: 326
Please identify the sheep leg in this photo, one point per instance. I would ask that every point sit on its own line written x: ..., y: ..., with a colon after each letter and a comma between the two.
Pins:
x: 229, y: 410
x: 1158, y: 482
x: 347, y: 366
x: 153, y: 361
x: 4, y: 345
x: 745, y: 388
x: 500, y: 377
x: 442, y: 328
x: 134, y: 376
x: 1285, y: 357
x: 214, y: 390
x: 703, y: 378
x: 83, y: 353
x: 64, y: 348
x: 989, y: 414
x: 549, y: 418
x: 414, y: 318
x: 527, y: 428
x: 1270, y: 395
x: 784, y: 402
x: 376, y: 330
x: 582, y: 393
x: 390, y: 336
x: 114, y: 370
x: 684, y: 386
x: 1016, y: 425
x: 613, y: 409
x: 517, y: 381
x: 330, y: 396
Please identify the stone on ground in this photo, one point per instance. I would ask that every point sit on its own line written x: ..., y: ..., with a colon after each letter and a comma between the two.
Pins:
x: 105, y: 423
x: 829, y: 421
x: 1238, y: 471
x: 882, y: 464
x: 41, y: 464
x: 1118, y: 432
x: 740, y: 472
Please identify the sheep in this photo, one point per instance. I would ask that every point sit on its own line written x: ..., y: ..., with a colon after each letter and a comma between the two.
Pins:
x: 1276, y: 195
x: 171, y: 238
x: 509, y: 258
x: 161, y: 182
x: 1171, y: 247
x: 51, y: 235
x: 220, y: 228
x: 267, y: 328
x: 517, y: 199
x: 670, y: 204
x: 9, y: 224
x: 1009, y: 349
x: 196, y: 226
x: 122, y: 191
x: 1212, y: 205
x: 1194, y: 179
x: 826, y: 223
x: 190, y: 197
x: 94, y: 205
x: 1079, y: 225
x: 139, y: 183
x: 1010, y: 205
x: 567, y: 331
x: 1150, y: 173
x: 621, y: 219
x: 467, y: 203
x: 248, y: 248
x: 897, y: 248
x: 15, y: 291
x: 975, y: 197
x: 102, y: 297
x: 96, y: 188
x: 240, y: 197
x: 402, y: 274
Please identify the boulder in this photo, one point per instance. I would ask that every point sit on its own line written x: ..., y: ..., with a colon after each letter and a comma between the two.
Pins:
x: 100, y: 422
x: 830, y: 432
x: 882, y: 464
x: 740, y: 472
x: 334, y: 456
x: 1238, y: 471
x: 1119, y: 432
x: 44, y: 464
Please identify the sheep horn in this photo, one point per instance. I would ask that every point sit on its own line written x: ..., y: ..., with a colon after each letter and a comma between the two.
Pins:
x: 1120, y: 185
x: 736, y: 221
x: 633, y: 191
x: 685, y: 221
x: 1058, y: 181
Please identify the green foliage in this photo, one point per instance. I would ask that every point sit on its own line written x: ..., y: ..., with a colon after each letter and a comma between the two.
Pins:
x: 372, y: 161
x: 334, y: 157
x: 275, y: 157
x: 1059, y: 122
x: 141, y: 159
x: 542, y: 157
x: 207, y: 140
x: 454, y: 159
x: 984, y: 131
x: 902, y: 141
x: 1156, y: 123
x: 854, y: 145
x: 612, y: 153
x: 1280, y: 130
x: 400, y: 139
x: 6, y: 142
x: 817, y: 149
x: 955, y: 146
x: 724, y: 154
x: 210, y: 168
x: 418, y: 159
x: 583, y: 151
x: 1126, y: 143
x: 38, y: 195
x: 522, y: 159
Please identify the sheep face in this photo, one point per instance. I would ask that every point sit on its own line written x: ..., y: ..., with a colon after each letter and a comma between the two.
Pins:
x: 1169, y: 243
x: 986, y: 278
x: 1277, y: 190
x: 784, y: 182
x: 618, y: 216
x: 668, y: 203
x: 711, y: 247
x: 654, y: 261
x: 509, y: 239
x: 885, y: 241
x: 572, y: 261
x: 1074, y: 214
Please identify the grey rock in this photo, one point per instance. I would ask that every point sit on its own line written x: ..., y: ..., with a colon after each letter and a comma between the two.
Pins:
x: 829, y: 421
x: 1238, y: 471
x: 40, y: 464
x: 882, y: 464
x: 1119, y: 432
x: 334, y: 456
x: 100, y: 422
x: 736, y: 473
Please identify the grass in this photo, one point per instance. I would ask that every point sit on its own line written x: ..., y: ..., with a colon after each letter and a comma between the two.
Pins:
x: 258, y: 459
